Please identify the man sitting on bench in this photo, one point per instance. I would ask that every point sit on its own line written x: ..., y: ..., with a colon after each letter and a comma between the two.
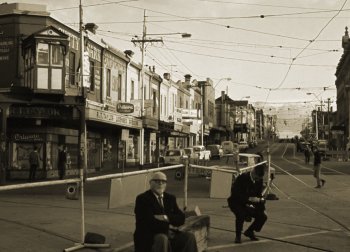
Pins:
x: 156, y: 211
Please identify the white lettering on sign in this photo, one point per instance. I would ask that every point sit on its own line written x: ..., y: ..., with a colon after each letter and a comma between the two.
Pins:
x: 122, y: 120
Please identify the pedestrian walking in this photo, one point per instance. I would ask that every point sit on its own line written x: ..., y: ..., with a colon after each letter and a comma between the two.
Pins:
x: 307, y: 154
x: 62, y: 161
x: 246, y: 202
x: 317, y: 168
x: 34, y: 160
x: 157, y: 216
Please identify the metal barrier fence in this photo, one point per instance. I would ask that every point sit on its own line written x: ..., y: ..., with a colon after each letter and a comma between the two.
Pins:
x: 82, y: 180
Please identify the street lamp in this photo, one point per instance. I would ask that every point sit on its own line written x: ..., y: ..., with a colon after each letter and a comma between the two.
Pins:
x: 226, y: 79
x: 143, y: 41
x: 183, y: 34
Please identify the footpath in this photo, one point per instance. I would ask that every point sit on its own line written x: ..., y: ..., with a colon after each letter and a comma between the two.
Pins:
x: 42, y: 219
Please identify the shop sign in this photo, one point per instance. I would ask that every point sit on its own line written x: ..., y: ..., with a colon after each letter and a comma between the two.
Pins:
x: 125, y: 108
x: 113, y: 118
x: 39, y: 112
x: 28, y: 137
x: 178, y: 134
x: 190, y: 113
x: 177, y: 127
x: 178, y: 115
x: 125, y: 134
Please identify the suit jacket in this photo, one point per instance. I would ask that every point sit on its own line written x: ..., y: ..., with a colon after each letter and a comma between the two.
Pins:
x: 243, y: 188
x: 147, y: 226
x: 317, y: 158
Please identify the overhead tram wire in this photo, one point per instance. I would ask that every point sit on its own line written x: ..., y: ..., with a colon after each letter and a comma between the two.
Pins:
x: 161, y: 64
x: 216, y: 24
x: 230, y: 50
x: 296, y: 57
x: 170, y: 56
x: 239, y: 44
x: 194, y: 43
x: 180, y: 61
x: 248, y: 60
x: 93, y: 5
x: 266, y: 5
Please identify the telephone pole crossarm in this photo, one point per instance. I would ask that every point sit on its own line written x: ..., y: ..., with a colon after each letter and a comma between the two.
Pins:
x: 146, y: 40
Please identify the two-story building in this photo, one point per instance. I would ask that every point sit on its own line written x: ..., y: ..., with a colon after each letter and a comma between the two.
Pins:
x: 45, y: 103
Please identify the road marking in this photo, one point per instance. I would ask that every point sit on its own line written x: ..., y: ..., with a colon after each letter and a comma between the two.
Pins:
x: 230, y: 245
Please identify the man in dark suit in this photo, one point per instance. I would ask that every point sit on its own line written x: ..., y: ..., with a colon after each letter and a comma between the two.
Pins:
x: 156, y: 213
x: 246, y: 202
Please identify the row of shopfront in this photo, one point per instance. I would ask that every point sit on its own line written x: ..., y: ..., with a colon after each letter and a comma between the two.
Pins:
x: 113, y: 139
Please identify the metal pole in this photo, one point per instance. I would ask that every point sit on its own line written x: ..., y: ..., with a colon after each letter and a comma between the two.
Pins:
x: 241, y: 125
x: 186, y: 182
x: 142, y: 131
x: 329, y: 124
x: 316, y: 124
x: 83, y: 127
x: 202, y: 114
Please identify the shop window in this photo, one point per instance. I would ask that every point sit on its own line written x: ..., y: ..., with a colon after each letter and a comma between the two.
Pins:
x: 56, y: 55
x: 43, y: 78
x: 56, y: 78
x: 155, y: 102
x: 49, y: 68
x: 108, y: 83
x: 119, y: 87
x: 71, y: 68
x: 132, y: 89
x: 92, y: 75
x: 43, y: 54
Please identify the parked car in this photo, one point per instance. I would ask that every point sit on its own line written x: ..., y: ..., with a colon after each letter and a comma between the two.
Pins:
x: 216, y: 151
x: 243, y: 146
x: 174, y: 157
x: 229, y: 147
x: 203, y: 154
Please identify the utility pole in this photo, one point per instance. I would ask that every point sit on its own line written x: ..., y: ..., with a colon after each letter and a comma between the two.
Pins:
x: 142, y: 42
x: 316, y: 123
x: 241, y: 124
x: 82, y: 136
x: 328, y: 120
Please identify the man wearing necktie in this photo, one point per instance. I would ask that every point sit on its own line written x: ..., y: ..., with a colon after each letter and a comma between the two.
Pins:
x: 156, y: 213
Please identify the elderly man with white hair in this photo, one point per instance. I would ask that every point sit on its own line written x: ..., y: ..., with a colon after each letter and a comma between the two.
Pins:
x: 156, y: 213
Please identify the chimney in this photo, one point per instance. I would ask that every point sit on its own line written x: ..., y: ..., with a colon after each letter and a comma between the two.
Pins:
x: 153, y: 69
x: 222, y: 96
x: 166, y: 76
x: 345, y: 39
x: 188, y: 78
x: 92, y: 27
x: 129, y: 53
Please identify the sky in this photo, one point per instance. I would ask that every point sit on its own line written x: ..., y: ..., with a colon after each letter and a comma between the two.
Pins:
x: 275, y: 53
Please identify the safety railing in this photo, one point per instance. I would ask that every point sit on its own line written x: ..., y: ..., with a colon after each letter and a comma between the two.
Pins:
x: 82, y: 180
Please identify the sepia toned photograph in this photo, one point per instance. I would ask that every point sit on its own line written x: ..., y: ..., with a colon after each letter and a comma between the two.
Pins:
x: 174, y: 125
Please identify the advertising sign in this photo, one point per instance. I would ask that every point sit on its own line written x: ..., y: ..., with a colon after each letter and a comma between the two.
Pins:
x: 125, y: 108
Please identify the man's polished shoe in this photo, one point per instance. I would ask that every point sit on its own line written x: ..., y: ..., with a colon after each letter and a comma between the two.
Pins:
x: 251, y: 235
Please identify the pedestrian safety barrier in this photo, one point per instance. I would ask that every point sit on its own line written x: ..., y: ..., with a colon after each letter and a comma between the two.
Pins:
x: 77, y: 185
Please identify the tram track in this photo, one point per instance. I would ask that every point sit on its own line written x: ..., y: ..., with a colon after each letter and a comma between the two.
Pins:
x: 266, y: 238
x: 289, y: 196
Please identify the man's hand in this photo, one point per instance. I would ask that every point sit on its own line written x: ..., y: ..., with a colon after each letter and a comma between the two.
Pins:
x: 161, y: 217
x: 255, y: 199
